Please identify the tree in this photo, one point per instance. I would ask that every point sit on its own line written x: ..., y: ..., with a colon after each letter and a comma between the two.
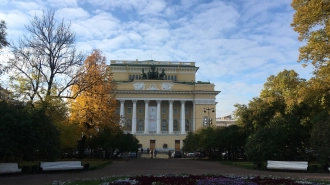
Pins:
x: 311, y: 20
x: 45, y: 60
x: 320, y: 138
x: 3, y: 34
x: 27, y: 133
x: 95, y: 108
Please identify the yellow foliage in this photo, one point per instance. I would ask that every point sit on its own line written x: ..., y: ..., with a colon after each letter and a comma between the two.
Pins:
x: 311, y: 21
x: 95, y: 107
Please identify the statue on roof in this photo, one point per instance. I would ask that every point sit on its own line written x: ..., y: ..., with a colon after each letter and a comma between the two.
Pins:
x: 153, y: 74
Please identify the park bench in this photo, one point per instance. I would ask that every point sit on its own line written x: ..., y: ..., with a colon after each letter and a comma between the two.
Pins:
x: 287, y: 165
x: 9, y: 168
x: 61, y: 165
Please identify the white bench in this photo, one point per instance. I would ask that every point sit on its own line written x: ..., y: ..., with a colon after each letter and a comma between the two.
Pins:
x: 287, y: 165
x: 9, y: 168
x: 61, y: 165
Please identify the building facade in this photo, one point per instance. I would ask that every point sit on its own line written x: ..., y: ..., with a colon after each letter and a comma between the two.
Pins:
x: 160, y: 101
x: 225, y: 121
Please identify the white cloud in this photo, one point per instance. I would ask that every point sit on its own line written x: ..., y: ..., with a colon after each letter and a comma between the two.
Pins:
x: 235, y: 44
x: 62, y: 3
x: 72, y: 14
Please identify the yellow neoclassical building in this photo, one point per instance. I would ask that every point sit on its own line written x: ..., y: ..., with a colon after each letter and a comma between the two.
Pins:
x: 161, y: 101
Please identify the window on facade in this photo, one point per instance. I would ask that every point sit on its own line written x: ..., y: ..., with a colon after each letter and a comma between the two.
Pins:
x: 163, y: 110
x: 129, y: 110
x: 175, y: 110
x: 140, y: 110
x: 187, y: 111
x: 128, y: 124
x: 164, y: 125
x: 175, y: 125
x: 174, y: 79
x: 187, y: 125
x: 140, y: 125
x: 171, y: 77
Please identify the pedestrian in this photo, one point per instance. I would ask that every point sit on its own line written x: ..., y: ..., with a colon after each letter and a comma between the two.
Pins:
x: 147, y: 150
x: 155, y: 153
x: 141, y: 150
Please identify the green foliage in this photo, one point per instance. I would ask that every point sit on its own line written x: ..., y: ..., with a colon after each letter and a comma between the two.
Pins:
x: 320, y: 137
x: 214, y: 141
x: 280, y: 139
x: 111, y: 138
x: 27, y: 133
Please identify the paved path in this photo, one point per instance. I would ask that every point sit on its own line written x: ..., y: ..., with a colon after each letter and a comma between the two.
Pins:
x: 145, y: 165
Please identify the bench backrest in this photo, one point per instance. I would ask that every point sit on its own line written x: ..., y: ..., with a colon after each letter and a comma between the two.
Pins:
x: 5, y: 166
x: 289, y: 164
x: 60, y: 163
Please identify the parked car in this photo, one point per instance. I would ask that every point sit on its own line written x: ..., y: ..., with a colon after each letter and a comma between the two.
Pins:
x: 132, y: 154
x: 200, y: 155
x: 189, y: 155
x: 176, y: 154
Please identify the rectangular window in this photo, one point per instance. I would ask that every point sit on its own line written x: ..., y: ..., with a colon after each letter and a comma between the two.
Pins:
x: 175, y: 111
x: 187, y: 110
x: 163, y: 110
x: 129, y: 110
x: 140, y: 110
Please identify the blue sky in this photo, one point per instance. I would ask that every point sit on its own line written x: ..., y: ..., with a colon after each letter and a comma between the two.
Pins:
x: 237, y: 44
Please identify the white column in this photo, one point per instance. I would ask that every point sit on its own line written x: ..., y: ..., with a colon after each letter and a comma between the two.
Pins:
x: 146, y: 116
x: 122, y: 112
x: 134, y: 117
x: 158, y: 116
x: 170, y: 117
x: 183, y: 119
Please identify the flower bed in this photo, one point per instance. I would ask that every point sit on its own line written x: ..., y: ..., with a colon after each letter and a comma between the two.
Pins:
x: 173, y: 179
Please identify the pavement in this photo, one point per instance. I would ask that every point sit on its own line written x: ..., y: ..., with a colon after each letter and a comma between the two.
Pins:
x: 144, y: 165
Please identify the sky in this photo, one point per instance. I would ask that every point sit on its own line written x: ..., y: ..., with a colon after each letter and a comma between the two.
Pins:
x: 237, y: 44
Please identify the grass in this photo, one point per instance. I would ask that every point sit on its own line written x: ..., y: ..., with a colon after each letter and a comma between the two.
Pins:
x: 242, y: 164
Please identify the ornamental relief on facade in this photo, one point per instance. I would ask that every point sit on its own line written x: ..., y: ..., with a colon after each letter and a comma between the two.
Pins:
x: 152, y: 86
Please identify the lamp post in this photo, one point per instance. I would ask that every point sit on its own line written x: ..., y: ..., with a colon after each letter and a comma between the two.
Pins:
x: 208, y: 120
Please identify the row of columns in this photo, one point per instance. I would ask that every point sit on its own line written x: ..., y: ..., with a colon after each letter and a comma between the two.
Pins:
x: 146, y: 116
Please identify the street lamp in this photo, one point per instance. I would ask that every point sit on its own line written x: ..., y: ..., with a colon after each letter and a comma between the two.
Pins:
x: 208, y: 120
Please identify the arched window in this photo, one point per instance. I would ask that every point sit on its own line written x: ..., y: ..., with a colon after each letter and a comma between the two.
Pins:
x: 175, y: 125
x: 187, y: 125
x: 140, y: 125
x: 164, y: 125
x: 171, y: 77
x: 174, y: 79
x: 128, y: 125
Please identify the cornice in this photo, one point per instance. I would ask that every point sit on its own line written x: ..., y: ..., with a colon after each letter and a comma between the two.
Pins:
x: 165, y: 92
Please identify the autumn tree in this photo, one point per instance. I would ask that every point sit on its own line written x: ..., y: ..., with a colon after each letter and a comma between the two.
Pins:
x: 45, y: 60
x: 95, y: 108
x: 311, y: 20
